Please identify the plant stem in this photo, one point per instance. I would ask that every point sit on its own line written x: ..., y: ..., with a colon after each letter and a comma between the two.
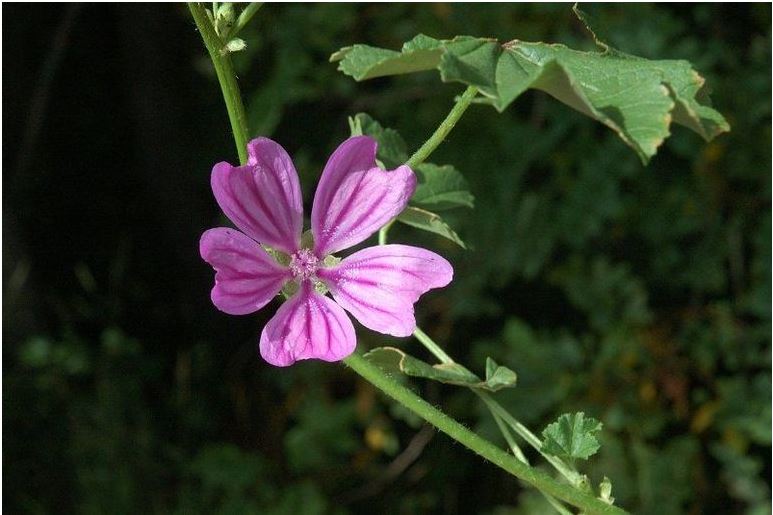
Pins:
x: 509, y: 438
x: 383, y: 232
x: 501, y: 414
x: 244, y: 18
x: 516, y: 449
x: 445, y: 127
x: 356, y: 362
x: 436, y: 139
x: 484, y: 448
x: 431, y: 346
x: 566, y: 470
x: 226, y: 77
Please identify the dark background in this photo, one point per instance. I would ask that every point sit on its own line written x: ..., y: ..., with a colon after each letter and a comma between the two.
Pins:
x: 640, y: 295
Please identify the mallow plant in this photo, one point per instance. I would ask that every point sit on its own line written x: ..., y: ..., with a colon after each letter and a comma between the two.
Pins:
x: 371, y: 181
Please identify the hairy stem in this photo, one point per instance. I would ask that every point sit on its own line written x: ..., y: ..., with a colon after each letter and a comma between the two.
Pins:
x: 226, y: 76
x: 356, y: 362
x: 501, y: 414
x: 560, y: 465
x: 472, y: 441
x: 444, y: 128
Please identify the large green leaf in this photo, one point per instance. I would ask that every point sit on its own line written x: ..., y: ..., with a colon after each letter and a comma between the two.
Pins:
x: 637, y: 98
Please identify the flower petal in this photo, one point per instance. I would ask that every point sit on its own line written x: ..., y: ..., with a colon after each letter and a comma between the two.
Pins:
x: 263, y: 198
x: 247, y: 277
x: 379, y: 285
x: 308, y: 325
x: 355, y: 197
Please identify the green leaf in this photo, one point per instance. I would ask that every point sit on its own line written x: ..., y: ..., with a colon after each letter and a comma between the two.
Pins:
x: 637, y: 98
x: 429, y: 221
x: 395, y: 361
x: 498, y: 377
x: 440, y: 188
x: 572, y: 436
x: 366, y: 62
x: 392, y: 149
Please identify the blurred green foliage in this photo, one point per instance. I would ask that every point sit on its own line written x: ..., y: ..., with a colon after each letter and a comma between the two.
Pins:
x: 640, y: 296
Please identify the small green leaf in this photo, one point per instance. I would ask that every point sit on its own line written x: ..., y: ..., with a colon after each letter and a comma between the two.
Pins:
x: 429, y: 221
x: 440, y: 188
x: 395, y: 361
x: 392, y: 149
x: 498, y: 377
x: 366, y: 62
x: 572, y: 436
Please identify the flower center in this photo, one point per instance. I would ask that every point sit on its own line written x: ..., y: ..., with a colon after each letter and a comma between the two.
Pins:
x: 304, y: 264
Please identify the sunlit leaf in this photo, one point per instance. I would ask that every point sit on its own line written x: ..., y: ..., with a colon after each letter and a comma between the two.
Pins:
x: 637, y: 98
x: 367, y: 62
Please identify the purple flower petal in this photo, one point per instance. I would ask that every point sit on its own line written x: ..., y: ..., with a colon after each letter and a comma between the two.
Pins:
x: 247, y: 277
x: 379, y: 285
x: 355, y: 197
x: 263, y: 198
x: 308, y: 325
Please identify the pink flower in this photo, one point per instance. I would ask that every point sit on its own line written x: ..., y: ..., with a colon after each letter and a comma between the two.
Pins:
x: 377, y: 285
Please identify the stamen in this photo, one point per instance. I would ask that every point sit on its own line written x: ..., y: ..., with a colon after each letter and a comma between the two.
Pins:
x: 304, y: 265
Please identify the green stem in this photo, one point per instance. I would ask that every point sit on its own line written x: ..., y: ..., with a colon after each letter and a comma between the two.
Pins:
x: 509, y: 438
x: 244, y: 18
x: 501, y: 413
x: 445, y: 127
x: 383, y: 232
x: 516, y: 449
x: 472, y: 441
x: 555, y: 503
x: 370, y: 372
x: 566, y: 470
x: 436, y: 139
x: 226, y: 77
x: 431, y: 346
